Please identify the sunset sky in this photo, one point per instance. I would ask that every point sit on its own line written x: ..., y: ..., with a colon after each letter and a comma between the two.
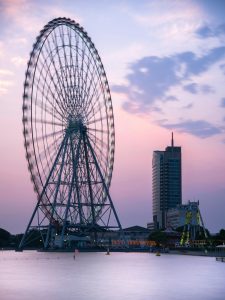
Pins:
x: 165, y: 63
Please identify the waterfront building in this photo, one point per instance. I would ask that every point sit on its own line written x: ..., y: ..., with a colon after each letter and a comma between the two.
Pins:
x: 151, y: 226
x: 136, y: 233
x: 166, y: 182
x: 183, y: 214
x: 189, y: 217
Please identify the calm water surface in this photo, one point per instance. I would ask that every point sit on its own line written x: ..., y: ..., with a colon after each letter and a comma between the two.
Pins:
x: 95, y: 276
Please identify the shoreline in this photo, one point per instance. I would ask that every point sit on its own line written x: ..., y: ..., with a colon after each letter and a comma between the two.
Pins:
x: 170, y: 251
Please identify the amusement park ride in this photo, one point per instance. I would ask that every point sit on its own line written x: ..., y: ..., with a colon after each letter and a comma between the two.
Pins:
x: 69, y: 136
x: 191, y: 229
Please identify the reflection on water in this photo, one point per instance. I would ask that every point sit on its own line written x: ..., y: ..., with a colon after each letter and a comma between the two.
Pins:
x: 31, y: 275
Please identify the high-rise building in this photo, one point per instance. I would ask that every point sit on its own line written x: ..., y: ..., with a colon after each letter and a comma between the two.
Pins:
x: 166, y: 182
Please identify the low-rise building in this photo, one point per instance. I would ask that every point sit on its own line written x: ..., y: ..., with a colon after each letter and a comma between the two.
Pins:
x: 137, y: 236
x: 183, y: 214
x: 151, y: 226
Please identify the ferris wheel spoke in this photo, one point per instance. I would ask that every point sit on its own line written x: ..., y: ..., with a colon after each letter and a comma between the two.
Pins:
x: 54, y: 141
x: 92, y: 112
x: 59, y: 83
x: 39, y: 138
x: 75, y: 67
x: 81, y: 82
x: 63, y: 75
x: 71, y: 73
x: 46, y: 108
x: 75, y: 92
x: 45, y: 138
x: 40, y: 102
x: 59, y: 78
x: 51, y: 162
x: 92, y: 88
x: 48, y: 72
x: 56, y: 103
x: 96, y: 93
x: 98, y: 140
x: 66, y: 71
x: 47, y: 122
x: 95, y: 110
x: 95, y: 98
x: 100, y: 154
x: 98, y: 130
x: 77, y: 77
x: 100, y: 150
x: 49, y: 158
x: 50, y: 149
x: 87, y: 72
x: 101, y: 158
x: 101, y: 119
x: 41, y: 88
x: 53, y: 112
x: 83, y: 48
x: 90, y: 82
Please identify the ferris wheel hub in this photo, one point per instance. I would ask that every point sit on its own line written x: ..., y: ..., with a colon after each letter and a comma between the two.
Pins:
x: 76, y: 125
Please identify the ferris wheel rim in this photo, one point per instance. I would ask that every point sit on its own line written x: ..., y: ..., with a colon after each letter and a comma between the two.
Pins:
x: 28, y: 127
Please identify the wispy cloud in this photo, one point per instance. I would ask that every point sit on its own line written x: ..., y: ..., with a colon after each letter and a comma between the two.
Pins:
x: 6, y: 72
x: 223, y: 102
x: 5, y: 85
x: 152, y: 81
x: 199, y: 128
x: 195, y: 88
x: 222, y: 67
x: 207, y: 31
x: 18, y: 61
x: 5, y: 80
x: 188, y: 106
x: 192, y: 88
x: 151, y: 78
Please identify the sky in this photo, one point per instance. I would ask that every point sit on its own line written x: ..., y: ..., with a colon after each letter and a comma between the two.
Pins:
x: 165, y: 63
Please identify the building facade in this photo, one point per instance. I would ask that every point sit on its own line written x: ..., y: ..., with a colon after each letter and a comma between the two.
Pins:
x: 166, y: 182
x: 183, y: 214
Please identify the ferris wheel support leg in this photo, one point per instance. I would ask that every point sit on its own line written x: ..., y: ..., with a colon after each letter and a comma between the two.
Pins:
x: 40, y: 198
x: 56, y: 192
x: 75, y: 159
x: 89, y: 184
x: 28, y: 226
x: 75, y: 163
x: 81, y: 214
x: 107, y: 191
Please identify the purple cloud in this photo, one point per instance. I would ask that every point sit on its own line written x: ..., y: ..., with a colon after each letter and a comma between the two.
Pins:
x: 199, y: 128
x: 161, y: 74
x: 223, y: 102
x: 207, y: 31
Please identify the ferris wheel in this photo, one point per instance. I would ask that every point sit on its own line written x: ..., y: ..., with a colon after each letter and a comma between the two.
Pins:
x: 69, y: 133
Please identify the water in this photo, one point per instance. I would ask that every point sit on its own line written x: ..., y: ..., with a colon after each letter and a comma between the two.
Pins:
x: 95, y: 276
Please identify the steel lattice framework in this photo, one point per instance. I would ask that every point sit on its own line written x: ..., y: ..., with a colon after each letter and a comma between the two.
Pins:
x: 69, y: 134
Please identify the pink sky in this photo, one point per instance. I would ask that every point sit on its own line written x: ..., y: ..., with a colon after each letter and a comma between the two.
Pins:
x: 128, y: 35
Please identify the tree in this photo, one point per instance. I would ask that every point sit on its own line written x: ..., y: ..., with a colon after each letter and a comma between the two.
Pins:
x: 222, y: 234
x: 159, y: 237
x: 4, y: 237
